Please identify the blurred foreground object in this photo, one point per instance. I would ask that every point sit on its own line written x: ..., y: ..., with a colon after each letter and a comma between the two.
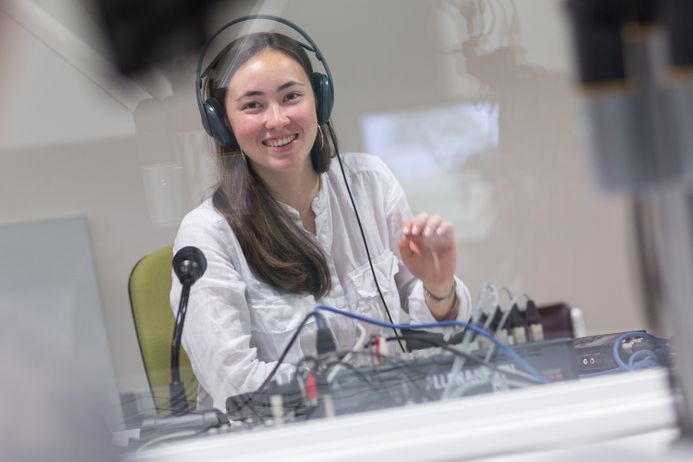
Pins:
x: 635, y: 63
x: 146, y: 33
x: 47, y: 414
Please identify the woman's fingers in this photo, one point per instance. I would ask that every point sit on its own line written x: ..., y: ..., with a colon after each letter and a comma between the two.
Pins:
x: 445, y: 230
x: 432, y: 225
x: 422, y: 225
x: 414, y: 226
x: 428, y: 230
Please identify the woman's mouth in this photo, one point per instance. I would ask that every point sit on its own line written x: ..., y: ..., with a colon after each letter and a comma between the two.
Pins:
x: 279, y: 142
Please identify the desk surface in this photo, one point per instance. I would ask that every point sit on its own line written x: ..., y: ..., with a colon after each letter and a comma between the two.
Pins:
x: 558, y: 415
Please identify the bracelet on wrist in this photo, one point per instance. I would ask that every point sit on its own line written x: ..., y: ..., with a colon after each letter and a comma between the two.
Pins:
x: 444, y: 298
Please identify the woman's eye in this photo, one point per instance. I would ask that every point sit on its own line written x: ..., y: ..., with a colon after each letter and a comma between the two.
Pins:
x: 292, y: 96
x: 250, y: 106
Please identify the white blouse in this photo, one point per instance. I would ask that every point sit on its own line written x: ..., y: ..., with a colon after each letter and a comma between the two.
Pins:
x: 237, y: 325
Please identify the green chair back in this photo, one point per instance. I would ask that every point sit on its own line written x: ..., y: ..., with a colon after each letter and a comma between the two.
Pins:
x: 149, y: 287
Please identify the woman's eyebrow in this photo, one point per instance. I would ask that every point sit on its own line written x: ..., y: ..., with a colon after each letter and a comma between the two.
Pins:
x: 288, y: 84
x: 249, y: 94
x: 281, y: 87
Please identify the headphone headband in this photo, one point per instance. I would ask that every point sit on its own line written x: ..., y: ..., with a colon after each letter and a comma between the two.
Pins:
x: 212, y: 111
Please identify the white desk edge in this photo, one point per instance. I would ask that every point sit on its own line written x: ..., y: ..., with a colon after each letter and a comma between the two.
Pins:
x: 557, y: 415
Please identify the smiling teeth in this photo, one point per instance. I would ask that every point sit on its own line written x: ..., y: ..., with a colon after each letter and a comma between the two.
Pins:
x: 280, y: 142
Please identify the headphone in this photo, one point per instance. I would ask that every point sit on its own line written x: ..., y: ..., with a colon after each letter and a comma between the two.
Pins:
x: 212, y: 111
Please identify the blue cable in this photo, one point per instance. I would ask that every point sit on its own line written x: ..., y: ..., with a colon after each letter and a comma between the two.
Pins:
x: 627, y: 335
x: 509, y: 351
x: 648, y: 361
x: 650, y: 358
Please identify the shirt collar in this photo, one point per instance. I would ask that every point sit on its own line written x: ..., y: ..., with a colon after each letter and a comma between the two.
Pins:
x: 318, y: 204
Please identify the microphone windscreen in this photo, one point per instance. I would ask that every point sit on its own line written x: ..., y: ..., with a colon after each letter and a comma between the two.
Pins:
x: 189, y: 264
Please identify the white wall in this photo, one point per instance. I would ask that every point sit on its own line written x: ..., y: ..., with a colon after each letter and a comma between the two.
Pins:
x: 69, y: 147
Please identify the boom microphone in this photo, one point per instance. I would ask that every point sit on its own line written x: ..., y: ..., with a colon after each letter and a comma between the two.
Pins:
x: 189, y: 264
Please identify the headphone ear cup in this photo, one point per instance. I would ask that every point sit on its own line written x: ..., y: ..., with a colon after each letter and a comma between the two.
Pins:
x: 217, y: 125
x: 323, y: 96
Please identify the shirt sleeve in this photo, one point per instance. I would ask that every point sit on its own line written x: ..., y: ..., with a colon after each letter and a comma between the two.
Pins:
x: 217, y: 333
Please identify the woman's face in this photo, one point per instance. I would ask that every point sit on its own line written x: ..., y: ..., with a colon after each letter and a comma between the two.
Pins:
x: 271, y: 108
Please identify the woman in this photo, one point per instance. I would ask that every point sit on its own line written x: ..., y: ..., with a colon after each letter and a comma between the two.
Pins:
x: 280, y: 234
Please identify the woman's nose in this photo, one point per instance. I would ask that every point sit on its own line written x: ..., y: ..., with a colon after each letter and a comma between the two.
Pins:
x: 276, y: 118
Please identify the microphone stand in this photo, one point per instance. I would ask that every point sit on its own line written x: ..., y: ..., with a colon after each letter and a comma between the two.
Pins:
x: 177, y: 396
x: 189, y: 264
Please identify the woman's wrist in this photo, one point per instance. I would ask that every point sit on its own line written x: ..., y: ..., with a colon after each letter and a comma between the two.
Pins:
x: 440, y: 294
x: 442, y: 304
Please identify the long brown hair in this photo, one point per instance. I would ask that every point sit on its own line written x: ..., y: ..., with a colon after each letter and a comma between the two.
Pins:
x: 276, y: 249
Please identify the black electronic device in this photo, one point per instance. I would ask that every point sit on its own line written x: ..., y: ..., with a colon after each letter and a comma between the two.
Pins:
x: 404, y: 379
x: 427, y: 378
x: 212, y: 111
x: 596, y: 353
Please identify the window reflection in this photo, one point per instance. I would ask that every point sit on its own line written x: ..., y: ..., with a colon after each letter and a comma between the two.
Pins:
x: 469, y: 103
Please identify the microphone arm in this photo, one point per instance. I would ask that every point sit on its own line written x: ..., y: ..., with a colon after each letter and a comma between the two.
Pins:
x: 176, y: 389
x: 189, y: 264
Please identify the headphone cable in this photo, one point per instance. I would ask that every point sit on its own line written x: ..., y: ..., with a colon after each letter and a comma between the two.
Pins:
x: 363, y: 235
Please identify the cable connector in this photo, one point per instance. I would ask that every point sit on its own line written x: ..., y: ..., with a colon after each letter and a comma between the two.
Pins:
x: 495, y: 319
x: 502, y: 336
x: 515, y: 325
x: 325, y: 342
x: 311, y: 389
x: 381, y: 348
x: 532, y: 313
x: 519, y: 335
x: 277, y: 405
x: 491, y: 324
x: 536, y: 330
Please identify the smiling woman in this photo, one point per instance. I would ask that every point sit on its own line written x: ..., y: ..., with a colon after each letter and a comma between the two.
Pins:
x: 281, y: 234
x: 267, y: 95
x: 271, y: 106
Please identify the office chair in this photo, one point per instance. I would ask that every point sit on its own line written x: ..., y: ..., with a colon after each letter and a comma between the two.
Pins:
x: 149, y: 287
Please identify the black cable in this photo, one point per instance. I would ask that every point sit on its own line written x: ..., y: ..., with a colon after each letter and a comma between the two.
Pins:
x: 333, y: 136
x: 356, y: 372
x: 400, y: 366
x: 395, y: 366
x: 287, y: 348
x: 471, y: 357
x: 317, y: 365
x: 248, y: 398
x: 360, y: 375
